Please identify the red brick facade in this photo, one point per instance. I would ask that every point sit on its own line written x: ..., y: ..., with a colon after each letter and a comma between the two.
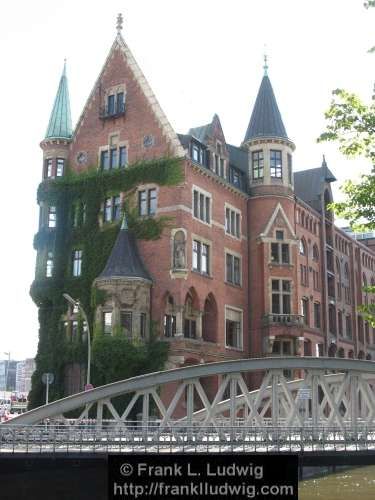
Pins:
x: 245, y: 315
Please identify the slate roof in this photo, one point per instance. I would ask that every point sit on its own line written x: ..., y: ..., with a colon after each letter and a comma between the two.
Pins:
x: 309, y: 184
x: 60, y: 122
x: 265, y: 119
x: 200, y: 133
x: 125, y: 261
x: 238, y: 158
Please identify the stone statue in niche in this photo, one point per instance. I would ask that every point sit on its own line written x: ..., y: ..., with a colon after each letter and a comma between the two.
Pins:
x: 179, y: 251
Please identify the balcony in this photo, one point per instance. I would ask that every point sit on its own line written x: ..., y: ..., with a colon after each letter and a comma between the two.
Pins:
x: 105, y: 113
x: 283, y: 319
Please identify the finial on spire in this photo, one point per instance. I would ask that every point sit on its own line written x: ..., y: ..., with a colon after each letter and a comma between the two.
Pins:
x: 324, y: 163
x: 64, y: 70
x: 120, y: 21
x: 265, y: 67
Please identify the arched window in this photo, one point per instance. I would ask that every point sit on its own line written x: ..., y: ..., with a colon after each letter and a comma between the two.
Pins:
x: 209, y: 320
x: 338, y: 276
x: 302, y: 247
x: 302, y: 218
x: 315, y: 253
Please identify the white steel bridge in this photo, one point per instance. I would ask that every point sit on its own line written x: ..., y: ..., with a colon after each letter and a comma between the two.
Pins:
x: 331, y: 407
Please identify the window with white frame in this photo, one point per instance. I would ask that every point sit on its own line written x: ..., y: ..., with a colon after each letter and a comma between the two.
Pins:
x: 60, y: 164
x: 202, y: 206
x: 112, y: 209
x: 147, y: 201
x: 49, y: 265
x: 280, y: 250
x: 77, y: 262
x: 257, y: 164
x: 276, y: 164
x: 281, y: 296
x: 233, y: 269
x: 52, y: 217
x: 48, y: 168
x: 233, y: 327
x: 107, y: 323
x: 201, y: 257
x: 232, y: 222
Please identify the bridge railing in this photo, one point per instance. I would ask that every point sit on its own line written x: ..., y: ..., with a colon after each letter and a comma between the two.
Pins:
x: 213, y: 438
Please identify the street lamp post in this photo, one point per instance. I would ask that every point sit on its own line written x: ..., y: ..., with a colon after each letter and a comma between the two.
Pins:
x: 77, y: 303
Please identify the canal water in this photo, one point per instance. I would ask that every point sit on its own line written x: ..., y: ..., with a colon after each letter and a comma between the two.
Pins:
x: 349, y: 484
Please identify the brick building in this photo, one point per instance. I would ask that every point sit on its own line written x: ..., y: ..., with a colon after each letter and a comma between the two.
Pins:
x: 254, y: 264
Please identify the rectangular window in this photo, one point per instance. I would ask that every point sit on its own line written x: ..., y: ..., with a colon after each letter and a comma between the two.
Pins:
x: 190, y: 328
x: 195, y: 153
x: 126, y: 321
x: 152, y: 201
x: 169, y: 325
x: 107, y: 323
x: 216, y: 164
x: 317, y: 315
x: 123, y: 157
x: 108, y: 210
x: 233, y: 268
x: 49, y: 265
x: 276, y: 164
x: 281, y: 292
x: 235, y: 177
x: 113, y: 158
x: 147, y: 202
x: 289, y: 156
x: 258, y: 164
x: 60, y: 162
x: 104, y: 160
x: 48, y: 168
x: 305, y: 310
x: 201, y: 257
x: 348, y: 326
x: 304, y: 275
x: 233, y: 328
x: 280, y: 250
x: 111, y: 105
x: 77, y: 262
x: 201, y: 206
x: 275, y: 253
x: 120, y: 102
x: 222, y: 169
x: 143, y: 325
x: 232, y: 222
x: 339, y: 323
x: 52, y: 217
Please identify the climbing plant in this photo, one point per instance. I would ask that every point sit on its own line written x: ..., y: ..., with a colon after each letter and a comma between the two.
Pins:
x: 78, y: 199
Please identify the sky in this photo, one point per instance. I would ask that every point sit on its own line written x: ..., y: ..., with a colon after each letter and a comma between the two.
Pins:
x: 200, y: 57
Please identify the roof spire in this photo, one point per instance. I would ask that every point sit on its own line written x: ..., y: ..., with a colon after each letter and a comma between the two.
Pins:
x: 120, y: 21
x: 324, y: 163
x: 60, y: 122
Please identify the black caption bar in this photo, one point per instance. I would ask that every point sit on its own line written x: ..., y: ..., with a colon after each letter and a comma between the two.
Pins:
x: 203, y: 476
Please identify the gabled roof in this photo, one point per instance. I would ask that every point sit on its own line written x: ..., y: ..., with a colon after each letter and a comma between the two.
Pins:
x: 309, y: 184
x: 200, y: 133
x: 60, y: 122
x: 125, y: 261
x: 139, y: 77
x: 265, y: 119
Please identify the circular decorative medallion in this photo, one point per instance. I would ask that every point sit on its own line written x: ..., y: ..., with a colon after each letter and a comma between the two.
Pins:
x: 148, y: 141
x: 82, y: 157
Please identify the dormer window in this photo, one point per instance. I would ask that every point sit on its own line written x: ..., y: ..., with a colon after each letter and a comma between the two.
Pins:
x: 197, y: 153
x: 276, y: 164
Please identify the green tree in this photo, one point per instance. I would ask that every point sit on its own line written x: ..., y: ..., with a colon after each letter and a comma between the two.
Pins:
x: 351, y: 123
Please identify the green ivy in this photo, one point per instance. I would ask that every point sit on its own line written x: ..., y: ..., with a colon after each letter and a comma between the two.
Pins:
x: 86, y: 193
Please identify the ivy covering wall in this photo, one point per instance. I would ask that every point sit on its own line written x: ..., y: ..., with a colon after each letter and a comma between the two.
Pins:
x: 78, y: 199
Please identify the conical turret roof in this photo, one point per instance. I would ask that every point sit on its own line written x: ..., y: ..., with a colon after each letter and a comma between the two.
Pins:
x: 265, y: 119
x: 125, y: 261
x: 60, y: 122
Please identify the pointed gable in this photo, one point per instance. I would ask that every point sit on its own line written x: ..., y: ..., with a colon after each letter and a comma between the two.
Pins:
x: 143, y: 115
x: 208, y: 134
x: 265, y: 119
x: 278, y: 220
x: 60, y: 122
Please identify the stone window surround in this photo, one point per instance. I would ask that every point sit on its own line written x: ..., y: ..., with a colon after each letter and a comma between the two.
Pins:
x: 111, y: 145
x: 114, y: 90
x: 288, y: 241
x: 237, y: 211
x: 147, y: 187
x: 237, y: 309
x: 235, y: 254
x: 209, y: 244
x: 206, y: 194
x: 291, y: 293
